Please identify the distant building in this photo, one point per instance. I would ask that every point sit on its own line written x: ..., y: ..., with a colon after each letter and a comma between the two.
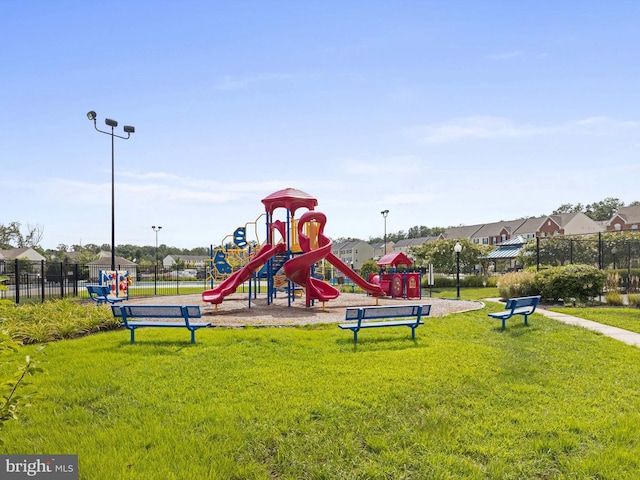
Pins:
x: 193, y: 261
x: 26, y: 253
x: 625, y: 219
x: 353, y: 253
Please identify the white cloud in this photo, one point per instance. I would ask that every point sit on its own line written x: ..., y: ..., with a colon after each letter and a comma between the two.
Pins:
x: 488, y: 127
x: 405, y: 164
x: 229, y: 82
x: 505, y: 55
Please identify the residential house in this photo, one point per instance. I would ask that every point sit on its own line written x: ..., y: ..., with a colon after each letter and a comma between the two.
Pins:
x: 104, y: 263
x: 576, y: 223
x: 353, y: 253
x: 25, y: 253
x: 462, y: 231
x: 496, y: 232
x: 625, y: 219
x: 189, y: 261
x: 379, y: 249
x: 405, y: 245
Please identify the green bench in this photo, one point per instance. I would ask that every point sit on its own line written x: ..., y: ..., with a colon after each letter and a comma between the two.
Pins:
x: 524, y: 306
x: 385, y: 316
x: 150, y: 312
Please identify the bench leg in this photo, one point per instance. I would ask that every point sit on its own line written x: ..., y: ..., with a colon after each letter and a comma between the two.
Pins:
x: 504, y: 321
x: 355, y: 336
x: 193, y: 336
x: 133, y: 335
x: 413, y: 333
x: 526, y: 319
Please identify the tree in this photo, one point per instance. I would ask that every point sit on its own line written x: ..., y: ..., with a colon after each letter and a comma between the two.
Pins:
x: 568, y: 208
x: 604, y: 209
x: 369, y: 266
x: 441, y: 254
x: 11, y: 236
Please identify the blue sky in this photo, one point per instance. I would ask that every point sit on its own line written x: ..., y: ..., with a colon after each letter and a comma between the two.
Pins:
x: 445, y: 113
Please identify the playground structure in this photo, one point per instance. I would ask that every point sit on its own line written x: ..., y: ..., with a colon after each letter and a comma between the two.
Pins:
x: 394, y: 283
x: 234, y: 251
x: 293, y: 247
x: 117, y: 282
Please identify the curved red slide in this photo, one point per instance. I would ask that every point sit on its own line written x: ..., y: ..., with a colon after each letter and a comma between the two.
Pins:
x: 230, y: 285
x: 298, y: 269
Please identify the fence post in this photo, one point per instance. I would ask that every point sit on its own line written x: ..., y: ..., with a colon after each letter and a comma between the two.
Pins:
x: 16, y: 276
x: 42, y: 280
x: 61, y: 280
x: 537, y: 254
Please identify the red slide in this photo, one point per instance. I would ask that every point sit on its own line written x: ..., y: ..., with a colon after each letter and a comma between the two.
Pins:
x: 370, y: 288
x: 298, y: 269
x: 230, y: 285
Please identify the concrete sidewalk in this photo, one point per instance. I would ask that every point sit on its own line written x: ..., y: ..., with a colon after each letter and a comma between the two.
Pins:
x: 625, y: 336
x: 630, y: 338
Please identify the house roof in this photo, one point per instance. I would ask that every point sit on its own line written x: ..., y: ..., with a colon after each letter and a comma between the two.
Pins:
x: 106, y: 262
x: 394, y: 259
x: 463, y: 231
x: 628, y: 214
x: 494, y: 229
x: 14, y: 253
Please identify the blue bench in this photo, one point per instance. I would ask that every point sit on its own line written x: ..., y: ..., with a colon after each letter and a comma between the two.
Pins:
x: 385, y: 316
x: 148, y: 312
x: 524, y: 306
x: 100, y: 294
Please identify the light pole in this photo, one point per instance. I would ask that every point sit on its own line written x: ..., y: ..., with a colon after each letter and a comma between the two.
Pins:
x: 614, y: 251
x: 384, y: 215
x: 457, y: 248
x: 155, y: 267
x: 128, y: 130
x: 156, y: 229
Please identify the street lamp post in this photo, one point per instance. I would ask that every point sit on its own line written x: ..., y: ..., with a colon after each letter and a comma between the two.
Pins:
x: 156, y: 229
x: 457, y: 248
x: 128, y: 130
x: 155, y: 277
x: 614, y: 251
x: 384, y: 215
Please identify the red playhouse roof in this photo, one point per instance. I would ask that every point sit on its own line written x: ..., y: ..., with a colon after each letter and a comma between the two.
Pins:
x: 394, y: 259
x: 289, y: 198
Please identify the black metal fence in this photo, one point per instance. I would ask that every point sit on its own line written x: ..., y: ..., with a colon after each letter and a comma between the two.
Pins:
x: 29, y: 282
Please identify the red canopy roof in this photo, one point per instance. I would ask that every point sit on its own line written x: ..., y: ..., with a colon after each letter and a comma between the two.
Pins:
x: 394, y: 259
x: 289, y: 198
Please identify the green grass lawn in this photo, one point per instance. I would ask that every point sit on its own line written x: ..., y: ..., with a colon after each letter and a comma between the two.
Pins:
x: 464, y: 400
x: 621, y: 317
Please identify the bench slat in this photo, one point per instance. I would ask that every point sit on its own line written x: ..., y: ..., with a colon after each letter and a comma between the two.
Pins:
x: 183, y: 312
x: 406, y: 315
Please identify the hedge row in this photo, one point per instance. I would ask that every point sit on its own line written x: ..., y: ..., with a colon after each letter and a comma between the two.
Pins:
x: 568, y: 283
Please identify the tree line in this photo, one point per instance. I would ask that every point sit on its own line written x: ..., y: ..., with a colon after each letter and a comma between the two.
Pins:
x: 13, y: 235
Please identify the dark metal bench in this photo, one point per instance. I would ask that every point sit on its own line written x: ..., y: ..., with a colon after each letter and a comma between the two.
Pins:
x: 100, y: 294
x: 385, y: 316
x: 148, y: 312
x: 518, y: 306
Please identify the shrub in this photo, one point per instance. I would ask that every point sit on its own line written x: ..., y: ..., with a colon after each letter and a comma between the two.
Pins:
x: 570, y: 282
x: 634, y: 299
x: 517, y: 284
x: 614, y: 298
